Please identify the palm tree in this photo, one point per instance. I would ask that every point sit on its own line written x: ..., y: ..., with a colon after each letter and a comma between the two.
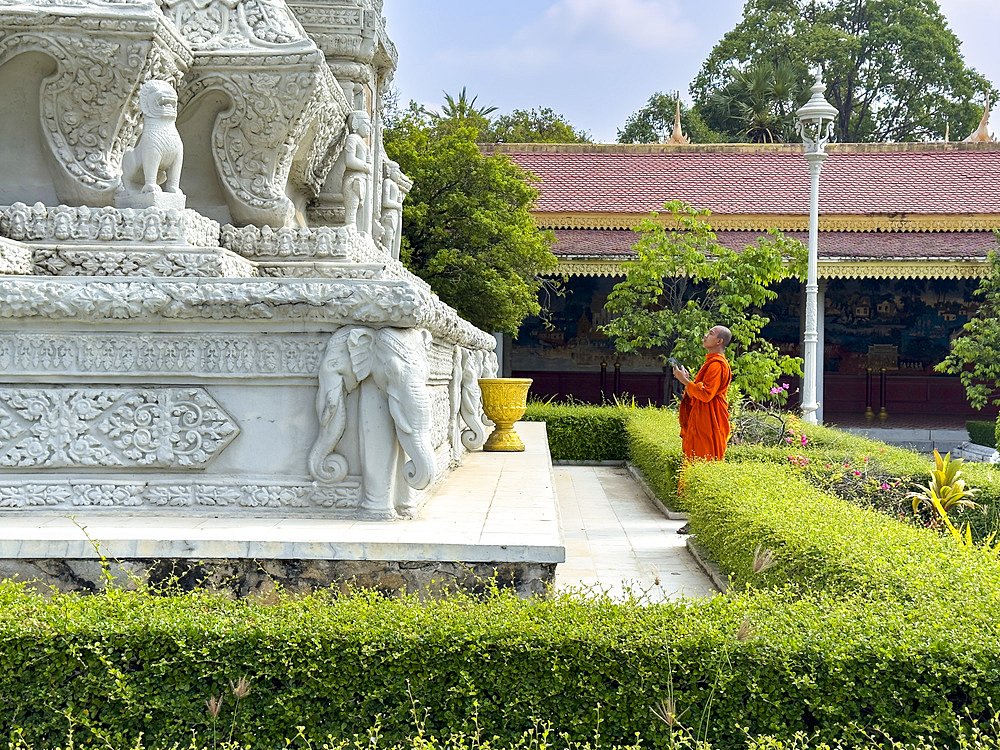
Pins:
x: 758, y: 104
x: 459, y: 112
x: 464, y: 108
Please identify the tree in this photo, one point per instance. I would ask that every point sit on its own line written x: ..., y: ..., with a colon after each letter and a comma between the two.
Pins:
x: 467, y: 229
x: 654, y: 123
x: 541, y: 125
x: 975, y: 355
x: 684, y: 282
x: 893, y: 68
x: 460, y: 112
x: 757, y: 105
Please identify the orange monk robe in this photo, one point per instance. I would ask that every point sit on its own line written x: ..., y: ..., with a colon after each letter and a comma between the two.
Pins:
x: 704, y: 410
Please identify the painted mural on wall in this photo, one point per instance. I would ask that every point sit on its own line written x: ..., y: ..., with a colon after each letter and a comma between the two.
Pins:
x: 573, y: 339
x: 918, y: 317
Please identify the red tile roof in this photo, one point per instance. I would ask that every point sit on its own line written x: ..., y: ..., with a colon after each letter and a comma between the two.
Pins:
x: 766, y: 182
x: 617, y: 243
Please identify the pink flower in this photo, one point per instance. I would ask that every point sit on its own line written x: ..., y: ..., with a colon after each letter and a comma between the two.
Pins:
x: 806, y: 440
x: 828, y: 466
x: 857, y: 473
x: 788, y: 440
x: 865, y: 459
x: 885, y: 486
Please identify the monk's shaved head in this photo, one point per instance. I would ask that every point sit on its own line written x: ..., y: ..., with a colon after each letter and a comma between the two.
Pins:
x: 725, y: 334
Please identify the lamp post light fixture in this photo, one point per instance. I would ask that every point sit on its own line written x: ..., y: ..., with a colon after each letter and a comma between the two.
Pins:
x: 815, y: 126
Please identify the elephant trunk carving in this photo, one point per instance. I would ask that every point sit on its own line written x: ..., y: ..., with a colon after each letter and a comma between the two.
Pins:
x: 474, y: 366
x: 390, y: 367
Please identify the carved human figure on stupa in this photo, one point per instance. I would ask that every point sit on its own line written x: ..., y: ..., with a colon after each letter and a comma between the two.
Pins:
x: 392, y: 206
x: 357, y: 169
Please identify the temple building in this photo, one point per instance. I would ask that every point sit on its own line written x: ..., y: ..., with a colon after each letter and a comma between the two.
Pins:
x: 904, y: 231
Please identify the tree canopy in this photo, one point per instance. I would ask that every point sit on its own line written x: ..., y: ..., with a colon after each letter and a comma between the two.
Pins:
x: 467, y: 229
x: 683, y: 282
x: 975, y: 355
x: 758, y: 104
x: 541, y: 125
x: 654, y: 123
x: 893, y: 68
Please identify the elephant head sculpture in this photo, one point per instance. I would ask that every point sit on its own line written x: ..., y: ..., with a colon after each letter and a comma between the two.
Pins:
x: 474, y: 365
x: 390, y: 367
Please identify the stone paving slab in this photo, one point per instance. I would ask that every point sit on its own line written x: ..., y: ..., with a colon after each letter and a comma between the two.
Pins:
x: 618, y: 543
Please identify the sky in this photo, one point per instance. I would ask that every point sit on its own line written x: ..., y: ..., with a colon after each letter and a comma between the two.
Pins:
x: 595, y: 61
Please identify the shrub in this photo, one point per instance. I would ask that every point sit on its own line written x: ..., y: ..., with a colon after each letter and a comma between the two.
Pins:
x: 583, y: 433
x: 982, y: 433
x: 654, y: 446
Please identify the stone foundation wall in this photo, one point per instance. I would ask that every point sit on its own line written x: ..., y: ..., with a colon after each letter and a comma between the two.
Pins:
x: 240, y: 578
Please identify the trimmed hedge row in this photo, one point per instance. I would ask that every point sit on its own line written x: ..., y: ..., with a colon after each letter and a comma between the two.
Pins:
x: 583, y: 433
x: 821, y: 542
x: 862, y: 622
x: 119, y: 665
x: 982, y: 432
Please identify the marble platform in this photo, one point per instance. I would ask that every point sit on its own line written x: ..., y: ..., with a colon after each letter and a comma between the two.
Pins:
x: 494, y: 517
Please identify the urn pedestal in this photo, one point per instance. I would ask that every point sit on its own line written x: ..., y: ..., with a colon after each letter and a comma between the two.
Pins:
x: 504, y: 402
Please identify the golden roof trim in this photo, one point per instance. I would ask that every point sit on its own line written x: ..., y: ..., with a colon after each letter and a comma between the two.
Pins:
x: 784, y: 222
x: 829, y: 269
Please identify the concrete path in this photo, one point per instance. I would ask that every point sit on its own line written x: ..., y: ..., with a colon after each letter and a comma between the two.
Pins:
x: 617, y: 542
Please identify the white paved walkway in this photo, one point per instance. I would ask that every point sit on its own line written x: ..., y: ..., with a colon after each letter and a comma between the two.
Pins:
x: 617, y: 542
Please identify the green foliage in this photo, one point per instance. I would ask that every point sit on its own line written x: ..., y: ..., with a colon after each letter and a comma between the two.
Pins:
x: 459, y: 112
x: 982, y: 432
x: 757, y: 105
x: 975, y: 355
x: 541, y: 125
x: 655, y: 122
x: 946, y: 490
x: 583, y: 433
x: 684, y: 282
x: 893, y: 68
x: 654, y: 446
x: 844, y: 626
x: 467, y: 229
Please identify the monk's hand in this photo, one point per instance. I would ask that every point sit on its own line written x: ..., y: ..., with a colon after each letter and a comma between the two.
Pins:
x: 681, y: 373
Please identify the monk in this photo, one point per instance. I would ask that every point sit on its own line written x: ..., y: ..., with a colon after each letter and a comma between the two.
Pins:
x: 704, y: 410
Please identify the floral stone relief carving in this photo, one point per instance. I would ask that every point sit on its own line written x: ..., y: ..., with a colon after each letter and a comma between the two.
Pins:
x: 139, y: 428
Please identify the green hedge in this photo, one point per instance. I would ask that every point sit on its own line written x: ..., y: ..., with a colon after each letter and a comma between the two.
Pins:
x: 583, y: 433
x: 982, y: 433
x: 126, y: 664
x: 654, y: 446
x: 861, y: 623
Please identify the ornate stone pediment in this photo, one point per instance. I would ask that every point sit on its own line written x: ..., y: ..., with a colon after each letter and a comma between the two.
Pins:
x: 82, y: 224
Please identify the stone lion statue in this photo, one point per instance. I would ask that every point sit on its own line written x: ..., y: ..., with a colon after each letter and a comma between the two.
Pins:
x: 157, y: 156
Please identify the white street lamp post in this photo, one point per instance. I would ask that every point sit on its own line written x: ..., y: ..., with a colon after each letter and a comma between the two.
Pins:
x: 815, y: 125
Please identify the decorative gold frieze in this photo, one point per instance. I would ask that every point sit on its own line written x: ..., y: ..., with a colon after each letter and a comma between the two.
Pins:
x: 784, y: 222
x: 830, y: 269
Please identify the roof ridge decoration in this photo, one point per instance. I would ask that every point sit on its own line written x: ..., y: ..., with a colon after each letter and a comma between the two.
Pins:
x: 731, y: 148
x: 677, y: 136
x: 982, y: 133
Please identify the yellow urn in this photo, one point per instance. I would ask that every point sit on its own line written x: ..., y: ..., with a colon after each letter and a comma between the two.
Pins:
x: 504, y: 402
